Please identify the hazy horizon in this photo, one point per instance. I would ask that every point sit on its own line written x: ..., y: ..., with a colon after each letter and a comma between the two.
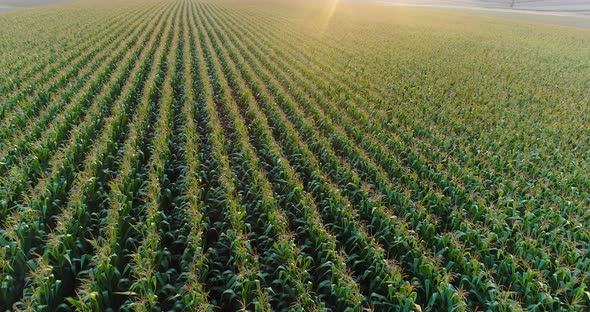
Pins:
x: 539, y: 5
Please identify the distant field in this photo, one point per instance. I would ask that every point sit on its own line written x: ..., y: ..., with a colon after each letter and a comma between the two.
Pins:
x: 539, y: 5
x: 30, y: 3
x: 557, y: 12
x: 561, y: 18
x: 258, y: 155
x: 9, y: 5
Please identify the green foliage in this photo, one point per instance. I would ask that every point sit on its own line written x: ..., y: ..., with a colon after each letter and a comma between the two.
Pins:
x: 256, y: 156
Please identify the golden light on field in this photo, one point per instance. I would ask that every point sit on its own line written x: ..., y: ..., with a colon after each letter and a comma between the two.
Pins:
x: 329, y: 10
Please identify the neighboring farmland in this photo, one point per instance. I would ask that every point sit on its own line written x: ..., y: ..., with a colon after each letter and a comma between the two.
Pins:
x: 278, y: 155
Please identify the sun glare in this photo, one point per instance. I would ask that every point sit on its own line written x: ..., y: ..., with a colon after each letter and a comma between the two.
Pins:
x: 328, y: 13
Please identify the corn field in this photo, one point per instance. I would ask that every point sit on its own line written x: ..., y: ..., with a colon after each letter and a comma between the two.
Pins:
x: 184, y: 155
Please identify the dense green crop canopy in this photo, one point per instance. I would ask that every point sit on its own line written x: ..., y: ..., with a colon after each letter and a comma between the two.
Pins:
x: 258, y: 155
